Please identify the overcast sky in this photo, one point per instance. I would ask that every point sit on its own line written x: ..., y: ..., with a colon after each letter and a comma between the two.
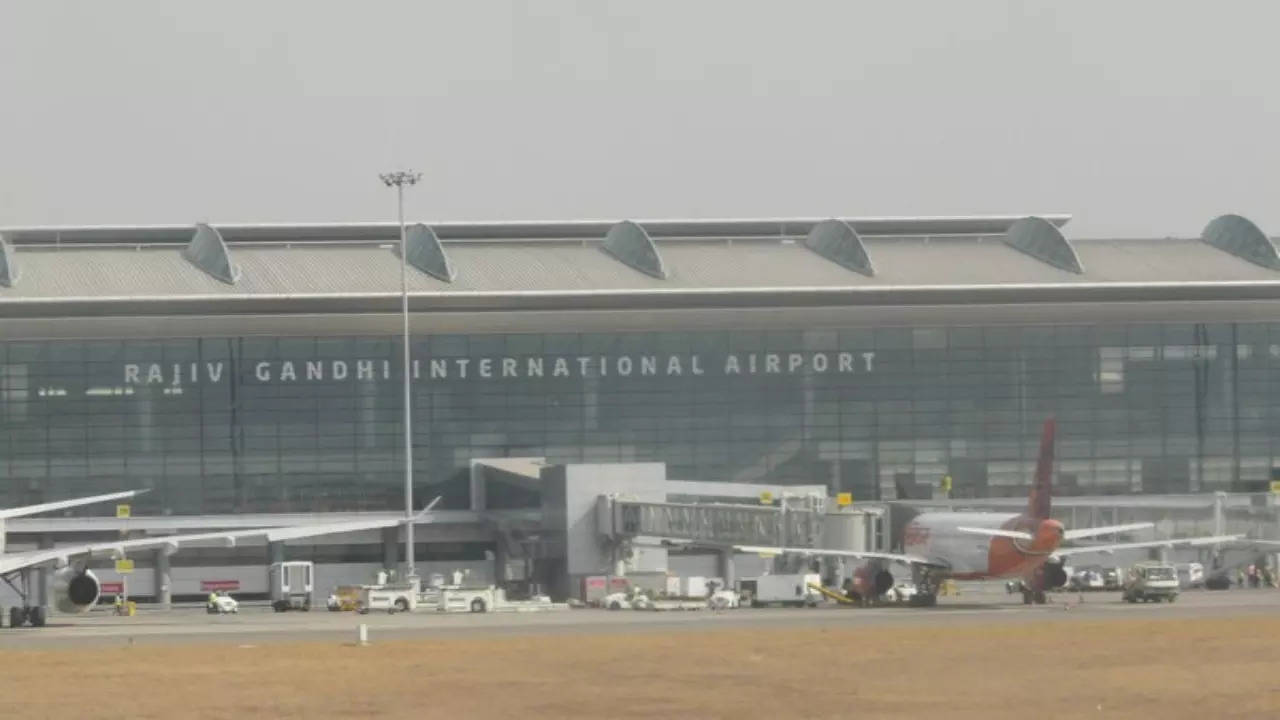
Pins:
x: 1137, y: 117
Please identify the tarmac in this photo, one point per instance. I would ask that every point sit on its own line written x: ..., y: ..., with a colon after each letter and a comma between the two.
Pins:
x: 258, y: 625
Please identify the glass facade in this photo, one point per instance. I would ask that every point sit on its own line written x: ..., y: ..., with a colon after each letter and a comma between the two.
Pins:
x: 223, y: 425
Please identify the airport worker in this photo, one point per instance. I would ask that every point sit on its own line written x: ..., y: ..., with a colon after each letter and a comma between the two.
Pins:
x: 119, y: 603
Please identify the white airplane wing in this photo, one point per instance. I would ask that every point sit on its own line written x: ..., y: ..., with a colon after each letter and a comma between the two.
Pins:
x: 823, y: 552
x: 63, y: 555
x: 997, y: 532
x: 6, y: 513
x: 1105, y: 530
x: 1170, y: 543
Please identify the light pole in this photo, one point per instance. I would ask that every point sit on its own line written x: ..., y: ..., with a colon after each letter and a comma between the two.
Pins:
x: 399, y: 180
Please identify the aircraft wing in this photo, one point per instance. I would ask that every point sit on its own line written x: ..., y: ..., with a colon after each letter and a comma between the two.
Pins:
x: 6, y: 513
x: 823, y: 552
x: 1170, y: 543
x: 172, y: 543
x: 1105, y: 530
x: 996, y: 532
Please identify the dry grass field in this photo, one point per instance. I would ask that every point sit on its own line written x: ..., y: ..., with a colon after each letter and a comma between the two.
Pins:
x: 1164, y: 668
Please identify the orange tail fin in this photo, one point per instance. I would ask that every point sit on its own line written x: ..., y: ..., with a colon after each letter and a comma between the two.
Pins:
x: 1039, y: 504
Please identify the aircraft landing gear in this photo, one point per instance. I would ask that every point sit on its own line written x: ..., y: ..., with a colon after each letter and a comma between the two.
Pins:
x: 1036, y: 597
x: 927, y: 584
x: 26, y: 613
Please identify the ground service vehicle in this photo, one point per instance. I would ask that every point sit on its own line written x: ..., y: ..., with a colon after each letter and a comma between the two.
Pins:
x: 1191, y: 575
x: 494, y: 599
x: 291, y: 585
x: 222, y: 604
x: 1151, y: 582
x: 1089, y: 578
x: 1112, y: 578
x: 781, y: 590
x: 344, y: 598
x: 398, y: 597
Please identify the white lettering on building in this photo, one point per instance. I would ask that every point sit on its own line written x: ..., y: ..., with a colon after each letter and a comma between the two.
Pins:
x: 495, y: 368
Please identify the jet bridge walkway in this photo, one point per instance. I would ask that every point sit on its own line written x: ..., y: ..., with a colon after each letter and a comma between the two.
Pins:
x: 794, y: 522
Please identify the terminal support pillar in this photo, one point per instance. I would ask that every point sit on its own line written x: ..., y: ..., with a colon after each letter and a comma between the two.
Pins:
x: 390, y: 548
x: 42, y: 577
x: 163, y: 580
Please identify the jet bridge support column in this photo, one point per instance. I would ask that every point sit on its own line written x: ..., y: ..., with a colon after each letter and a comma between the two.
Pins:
x: 42, y: 577
x: 163, y: 580
x: 275, y: 552
x: 391, y: 548
x: 727, y: 568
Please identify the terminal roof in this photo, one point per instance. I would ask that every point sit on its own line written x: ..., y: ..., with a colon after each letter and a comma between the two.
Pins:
x: 888, y: 258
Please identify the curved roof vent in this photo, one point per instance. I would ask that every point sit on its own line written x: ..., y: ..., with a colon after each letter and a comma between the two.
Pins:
x: 1043, y: 241
x: 8, y: 264
x: 208, y: 251
x: 425, y: 253
x: 630, y: 243
x: 837, y: 241
x: 1240, y: 237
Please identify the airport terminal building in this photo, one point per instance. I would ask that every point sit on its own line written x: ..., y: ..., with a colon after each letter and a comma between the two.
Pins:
x: 242, y: 370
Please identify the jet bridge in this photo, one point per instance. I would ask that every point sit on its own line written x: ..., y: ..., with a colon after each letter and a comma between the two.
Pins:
x: 794, y: 522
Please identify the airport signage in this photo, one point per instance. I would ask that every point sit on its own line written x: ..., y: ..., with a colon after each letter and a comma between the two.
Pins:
x: 486, y: 369
x: 219, y: 585
x: 111, y: 588
x: 124, y: 566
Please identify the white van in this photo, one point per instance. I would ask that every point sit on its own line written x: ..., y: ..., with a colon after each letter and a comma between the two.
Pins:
x: 1151, y: 582
x: 1191, y: 575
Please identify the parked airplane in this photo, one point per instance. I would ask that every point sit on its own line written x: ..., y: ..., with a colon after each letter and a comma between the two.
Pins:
x: 76, y: 588
x: 983, y: 545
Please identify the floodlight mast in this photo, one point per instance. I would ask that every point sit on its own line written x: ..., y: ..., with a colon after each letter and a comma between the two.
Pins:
x: 399, y: 179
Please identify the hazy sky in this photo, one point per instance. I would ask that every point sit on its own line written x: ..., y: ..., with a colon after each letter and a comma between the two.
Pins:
x: 1137, y: 117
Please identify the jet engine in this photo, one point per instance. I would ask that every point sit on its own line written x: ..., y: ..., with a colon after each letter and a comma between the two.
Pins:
x: 871, y: 582
x: 75, y: 591
x: 1054, y: 575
